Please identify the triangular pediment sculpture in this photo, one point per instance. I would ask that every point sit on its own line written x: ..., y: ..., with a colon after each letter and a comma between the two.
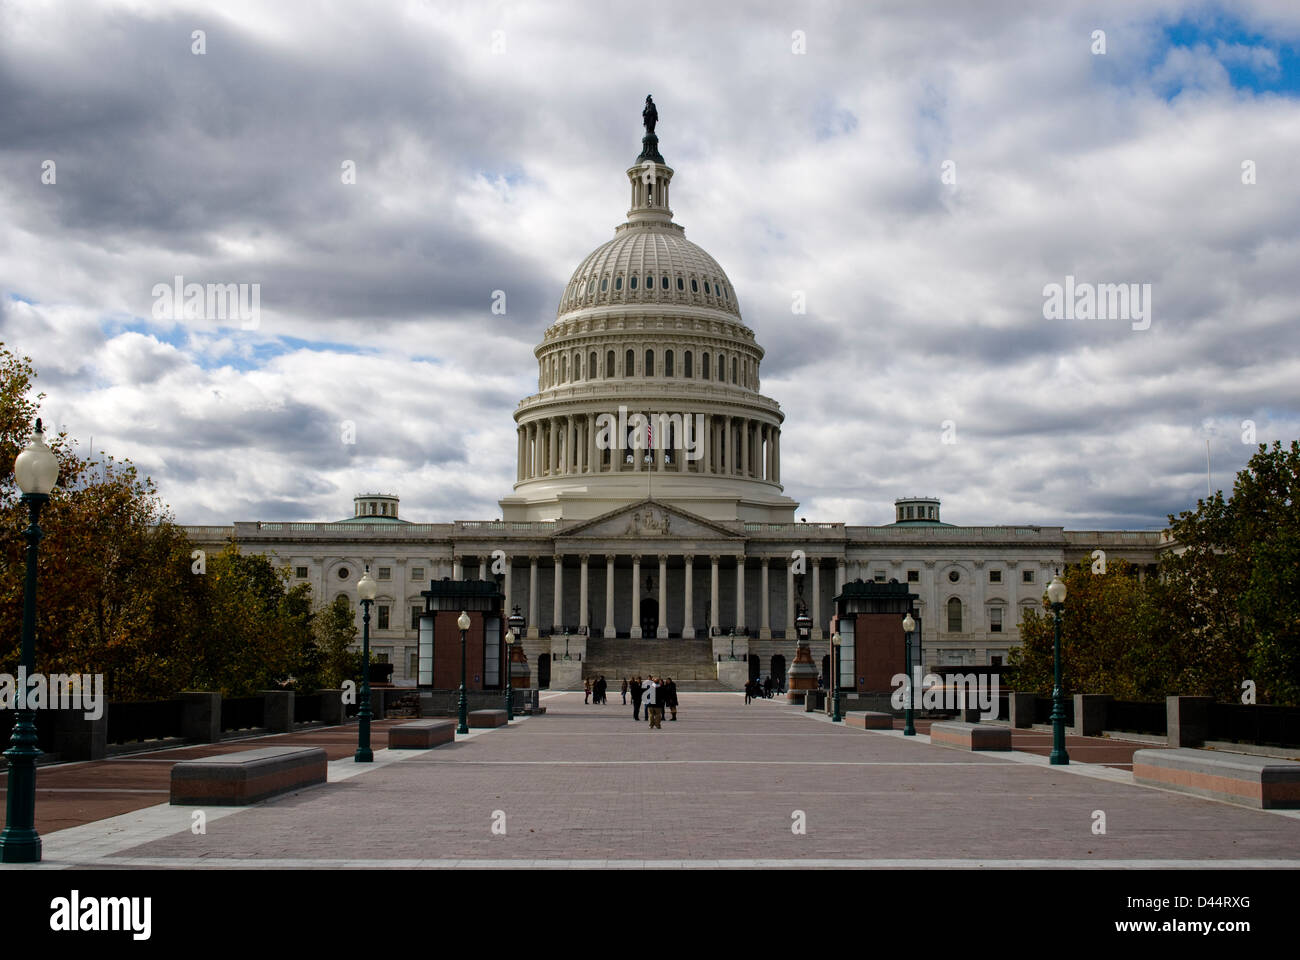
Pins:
x: 650, y: 520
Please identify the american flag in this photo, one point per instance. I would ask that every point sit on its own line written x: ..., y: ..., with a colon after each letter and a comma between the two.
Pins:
x: 650, y: 435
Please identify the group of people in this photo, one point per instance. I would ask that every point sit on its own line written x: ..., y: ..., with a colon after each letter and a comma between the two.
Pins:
x: 655, y: 694
x: 756, y: 688
x: 594, y: 690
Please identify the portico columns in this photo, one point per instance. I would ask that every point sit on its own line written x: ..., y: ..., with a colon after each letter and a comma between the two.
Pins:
x: 533, y: 632
x: 557, y: 605
x: 662, y: 632
x: 553, y: 439
x: 610, y: 632
x: 740, y: 592
x: 789, y: 600
x: 744, y: 447
x: 713, y: 596
x: 509, y: 570
x: 482, y: 568
x: 841, y: 569
x: 817, y: 633
x: 582, y: 596
x: 456, y: 568
x: 688, y: 626
x: 636, y: 596
x: 765, y: 625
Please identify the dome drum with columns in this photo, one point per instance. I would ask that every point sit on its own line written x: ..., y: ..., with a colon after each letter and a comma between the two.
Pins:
x: 649, y: 325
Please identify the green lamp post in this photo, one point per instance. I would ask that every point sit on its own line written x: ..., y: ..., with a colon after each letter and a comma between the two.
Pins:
x: 909, y: 624
x: 1056, y: 597
x: 836, y: 716
x: 35, y: 470
x: 462, y: 707
x: 367, y: 588
x: 516, y: 625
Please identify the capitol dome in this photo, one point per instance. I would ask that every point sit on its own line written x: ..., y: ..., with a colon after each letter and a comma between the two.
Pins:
x: 648, y: 327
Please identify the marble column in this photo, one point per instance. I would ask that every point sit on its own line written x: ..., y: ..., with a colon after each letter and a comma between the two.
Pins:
x: 744, y: 447
x: 765, y: 625
x: 789, y: 600
x: 817, y: 633
x: 552, y: 442
x: 713, y: 595
x: 740, y: 592
x: 688, y: 625
x: 610, y: 631
x: 507, y: 584
x: 841, y: 571
x: 456, y: 568
x: 557, y: 605
x: 482, y: 570
x: 636, y: 596
x: 662, y: 632
x: 533, y: 632
x: 582, y: 595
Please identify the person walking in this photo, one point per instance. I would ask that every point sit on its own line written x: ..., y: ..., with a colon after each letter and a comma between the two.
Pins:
x: 635, y: 690
x: 624, y: 691
x: 600, y: 688
x: 586, y: 690
x: 652, y: 704
x: 749, y: 691
x: 670, y: 696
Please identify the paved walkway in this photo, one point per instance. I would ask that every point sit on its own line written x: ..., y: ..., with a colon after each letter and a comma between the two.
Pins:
x: 725, y: 785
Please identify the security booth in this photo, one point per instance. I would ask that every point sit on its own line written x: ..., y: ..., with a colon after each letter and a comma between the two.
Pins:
x: 869, y: 619
x: 485, y: 641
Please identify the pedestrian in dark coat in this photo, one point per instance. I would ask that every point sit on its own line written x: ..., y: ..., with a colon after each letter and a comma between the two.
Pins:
x: 635, y: 690
x: 625, y: 691
x: 670, y: 697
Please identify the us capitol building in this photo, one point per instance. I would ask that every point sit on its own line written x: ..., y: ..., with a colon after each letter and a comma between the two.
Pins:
x: 648, y: 527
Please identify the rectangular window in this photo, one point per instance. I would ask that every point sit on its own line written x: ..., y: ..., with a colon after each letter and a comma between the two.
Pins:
x: 995, y: 619
x: 381, y: 657
x: 383, y: 617
x: 415, y: 617
x: 491, y: 652
x: 300, y: 573
x: 848, y: 651
x: 417, y: 573
x: 995, y: 576
x: 995, y: 661
x: 425, y: 651
x: 914, y: 576
x: 878, y: 576
x: 413, y: 665
x: 1027, y: 576
x: 385, y: 573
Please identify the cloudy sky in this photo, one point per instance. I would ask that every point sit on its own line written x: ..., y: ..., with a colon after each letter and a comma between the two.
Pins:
x: 920, y: 172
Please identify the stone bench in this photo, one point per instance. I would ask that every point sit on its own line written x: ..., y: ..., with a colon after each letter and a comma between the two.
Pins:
x: 487, y: 718
x: 421, y: 734
x: 869, y: 720
x: 236, y: 779
x: 971, y: 736
x: 1264, y: 783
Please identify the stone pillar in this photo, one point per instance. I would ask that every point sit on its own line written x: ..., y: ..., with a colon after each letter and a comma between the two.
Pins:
x: 1021, y: 708
x: 582, y: 595
x: 635, y: 632
x: 519, y: 453
x: 557, y: 604
x: 1187, y: 721
x: 765, y: 624
x: 552, y: 442
x: 688, y: 625
x: 789, y: 600
x: 277, y: 711
x: 457, y: 569
x: 740, y: 592
x: 482, y: 570
x: 744, y: 447
x: 777, y: 459
x: 662, y: 632
x: 817, y: 633
x: 713, y: 595
x: 610, y: 630
x: 533, y: 632
x: 201, y: 716
x: 593, y: 455
x: 841, y: 573
x: 506, y: 584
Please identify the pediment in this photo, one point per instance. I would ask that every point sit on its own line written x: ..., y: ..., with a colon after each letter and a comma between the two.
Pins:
x: 649, y: 520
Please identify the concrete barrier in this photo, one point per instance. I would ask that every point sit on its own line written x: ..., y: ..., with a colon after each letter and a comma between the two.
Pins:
x: 421, y: 734
x: 1021, y: 708
x: 1090, y: 712
x: 487, y: 718
x: 971, y: 736
x: 1260, y: 782
x: 869, y: 720
x: 236, y: 779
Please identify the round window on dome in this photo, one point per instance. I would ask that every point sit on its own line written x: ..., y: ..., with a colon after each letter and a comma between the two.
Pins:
x: 618, y: 283
x: 632, y: 282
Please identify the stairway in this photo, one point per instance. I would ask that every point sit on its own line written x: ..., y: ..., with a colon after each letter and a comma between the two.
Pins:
x: 689, y: 662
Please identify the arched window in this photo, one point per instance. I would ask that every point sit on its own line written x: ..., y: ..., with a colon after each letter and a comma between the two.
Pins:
x: 609, y: 364
x: 591, y: 287
x: 629, y: 364
x: 564, y: 369
x: 604, y: 284
x: 680, y: 286
x: 704, y: 361
x: 722, y: 369
x: 665, y: 281
x: 734, y: 371
x: 695, y: 287
x: 577, y: 366
x: 954, y: 615
x: 591, y: 366
x: 668, y: 364
x: 689, y: 371
x: 618, y: 283
x: 632, y: 282
x: 649, y: 363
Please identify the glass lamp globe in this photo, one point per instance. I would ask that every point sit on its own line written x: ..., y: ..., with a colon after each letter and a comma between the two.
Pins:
x: 35, y: 468
x: 1056, y: 591
x: 463, y: 620
x: 367, y: 588
x: 908, y: 623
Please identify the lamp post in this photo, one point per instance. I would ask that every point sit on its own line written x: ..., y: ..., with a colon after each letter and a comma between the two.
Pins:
x: 516, y: 624
x: 836, y: 716
x: 1056, y: 597
x: 462, y: 706
x: 909, y: 624
x: 367, y: 588
x: 35, y: 470
x: 733, y: 644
